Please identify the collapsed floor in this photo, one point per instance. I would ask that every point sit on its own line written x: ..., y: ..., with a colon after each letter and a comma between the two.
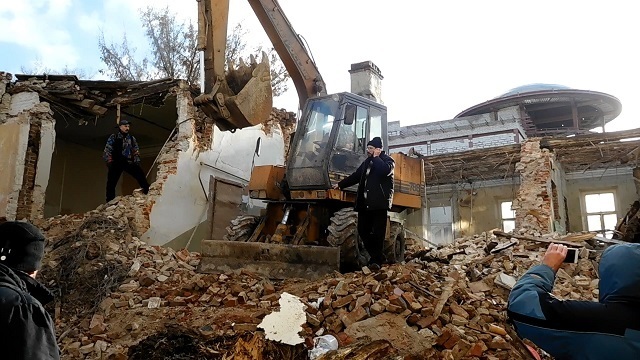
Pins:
x: 119, y: 298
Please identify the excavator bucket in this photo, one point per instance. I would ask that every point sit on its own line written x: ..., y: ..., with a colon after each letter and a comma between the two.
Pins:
x: 254, y: 102
x: 276, y: 261
x: 243, y: 98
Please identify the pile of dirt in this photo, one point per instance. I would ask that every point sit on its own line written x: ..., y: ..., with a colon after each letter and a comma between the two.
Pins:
x: 120, y: 298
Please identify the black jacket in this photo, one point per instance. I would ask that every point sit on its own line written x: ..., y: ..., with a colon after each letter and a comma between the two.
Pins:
x: 26, y: 328
x: 375, y: 178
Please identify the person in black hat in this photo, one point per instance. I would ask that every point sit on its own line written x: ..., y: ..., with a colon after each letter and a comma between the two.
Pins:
x: 123, y: 154
x: 374, y: 198
x: 26, y: 328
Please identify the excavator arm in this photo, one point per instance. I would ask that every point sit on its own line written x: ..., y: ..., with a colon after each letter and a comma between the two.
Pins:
x: 240, y: 95
x: 290, y: 49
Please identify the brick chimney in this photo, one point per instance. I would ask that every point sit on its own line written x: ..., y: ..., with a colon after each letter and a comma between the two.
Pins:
x: 366, y: 80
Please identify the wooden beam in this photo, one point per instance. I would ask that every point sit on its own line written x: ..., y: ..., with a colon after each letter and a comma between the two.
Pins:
x: 590, y: 139
x: 535, y: 239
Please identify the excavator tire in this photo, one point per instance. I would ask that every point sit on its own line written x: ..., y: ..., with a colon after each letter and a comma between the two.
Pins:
x: 395, y: 245
x: 343, y: 233
x: 241, y: 228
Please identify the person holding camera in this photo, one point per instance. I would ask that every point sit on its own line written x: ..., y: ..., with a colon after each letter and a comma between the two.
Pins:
x: 574, y: 329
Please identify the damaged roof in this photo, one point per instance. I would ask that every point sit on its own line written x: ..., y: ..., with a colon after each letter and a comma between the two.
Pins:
x: 576, y: 154
x: 79, y: 99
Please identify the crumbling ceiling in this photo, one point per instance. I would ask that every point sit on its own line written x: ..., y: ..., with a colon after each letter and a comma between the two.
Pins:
x: 85, y: 110
x: 576, y: 154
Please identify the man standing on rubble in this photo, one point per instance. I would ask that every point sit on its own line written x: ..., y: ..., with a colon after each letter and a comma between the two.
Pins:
x: 123, y: 154
x: 572, y: 329
x: 374, y: 198
x: 26, y: 328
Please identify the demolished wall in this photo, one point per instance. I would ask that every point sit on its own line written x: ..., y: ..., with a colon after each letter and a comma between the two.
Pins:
x: 619, y: 181
x: 177, y: 200
x: 27, y: 139
x: 199, y: 152
x: 533, y: 205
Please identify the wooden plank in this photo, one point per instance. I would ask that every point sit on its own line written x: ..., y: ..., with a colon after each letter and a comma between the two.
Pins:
x: 609, y: 241
x: 85, y: 103
x: 535, y: 239
x: 226, y: 197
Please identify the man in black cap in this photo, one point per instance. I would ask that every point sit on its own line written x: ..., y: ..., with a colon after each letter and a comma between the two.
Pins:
x: 26, y: 328
x: 123, y: 154
x: 375, y: 196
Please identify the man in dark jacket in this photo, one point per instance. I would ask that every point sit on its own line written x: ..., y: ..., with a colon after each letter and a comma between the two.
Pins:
x: 375, y: 195
x: 26, y: 328
x: 571, y: 329
x: 121, y: 153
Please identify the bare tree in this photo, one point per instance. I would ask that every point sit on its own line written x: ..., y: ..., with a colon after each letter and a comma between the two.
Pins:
x: 38, y: 67
x: 173, y: 52
x: 120, y: 61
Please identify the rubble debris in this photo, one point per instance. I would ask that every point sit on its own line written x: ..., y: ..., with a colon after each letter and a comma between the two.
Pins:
x: 363, y: 349
x: 322, y: 345
x: 394, y: 329
x: 445, y: 301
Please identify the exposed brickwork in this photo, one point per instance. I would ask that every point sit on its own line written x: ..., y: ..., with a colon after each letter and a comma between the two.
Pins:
x: 25, y: 199
x: 533, y: 203
x: 287, y: 122
x: 203, y: 130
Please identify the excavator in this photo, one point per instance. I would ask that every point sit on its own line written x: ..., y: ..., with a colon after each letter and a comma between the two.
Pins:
x: 308, y: 229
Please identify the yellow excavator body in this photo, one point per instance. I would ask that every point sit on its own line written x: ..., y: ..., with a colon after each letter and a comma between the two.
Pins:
x: 308, y: 229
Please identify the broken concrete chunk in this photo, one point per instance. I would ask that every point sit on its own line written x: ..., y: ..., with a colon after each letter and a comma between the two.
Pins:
x: 479, y: 286
x: 285, y: 325
x: 505, y: 281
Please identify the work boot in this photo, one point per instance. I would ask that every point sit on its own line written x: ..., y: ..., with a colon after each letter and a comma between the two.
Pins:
x: 373, y: 267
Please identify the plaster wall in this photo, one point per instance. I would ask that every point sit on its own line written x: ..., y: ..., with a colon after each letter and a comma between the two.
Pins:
x: 558, y: 191
x: 77, y: 180
x: 14, y: 136
x: 45, y: 154
x: 178, y: 216
x: 23, y: 101
x: 578, y: 184
x: 482, y: 213
x: 472, y: 214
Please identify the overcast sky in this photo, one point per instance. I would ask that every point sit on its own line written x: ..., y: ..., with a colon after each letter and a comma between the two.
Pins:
x: 437, y: 57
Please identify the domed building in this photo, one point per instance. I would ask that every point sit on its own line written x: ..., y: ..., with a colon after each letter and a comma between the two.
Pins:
x: 527, y: 159
x: 550, y: 109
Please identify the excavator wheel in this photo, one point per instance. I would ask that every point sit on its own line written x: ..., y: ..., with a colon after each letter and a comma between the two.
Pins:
x: 394, y: 247
x: 343, y: 233
x: 241, y: 228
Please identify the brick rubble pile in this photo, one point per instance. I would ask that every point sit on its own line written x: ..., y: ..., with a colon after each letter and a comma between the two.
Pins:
x: 448, y: 303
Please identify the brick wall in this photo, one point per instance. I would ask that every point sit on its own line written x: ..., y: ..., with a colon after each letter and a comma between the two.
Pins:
x: 25, y: 199
x: 533, y: 204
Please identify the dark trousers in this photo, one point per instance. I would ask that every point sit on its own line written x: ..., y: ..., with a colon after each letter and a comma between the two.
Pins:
x: 372, y: 228
x: 116, y: 169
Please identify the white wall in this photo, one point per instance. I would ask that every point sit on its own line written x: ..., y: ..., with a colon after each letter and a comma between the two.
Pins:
x: 45, y: 154
x: 14, y: 136
x: 182, y: 205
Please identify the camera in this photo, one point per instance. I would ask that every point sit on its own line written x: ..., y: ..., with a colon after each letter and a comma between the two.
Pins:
x: 572, y: 255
